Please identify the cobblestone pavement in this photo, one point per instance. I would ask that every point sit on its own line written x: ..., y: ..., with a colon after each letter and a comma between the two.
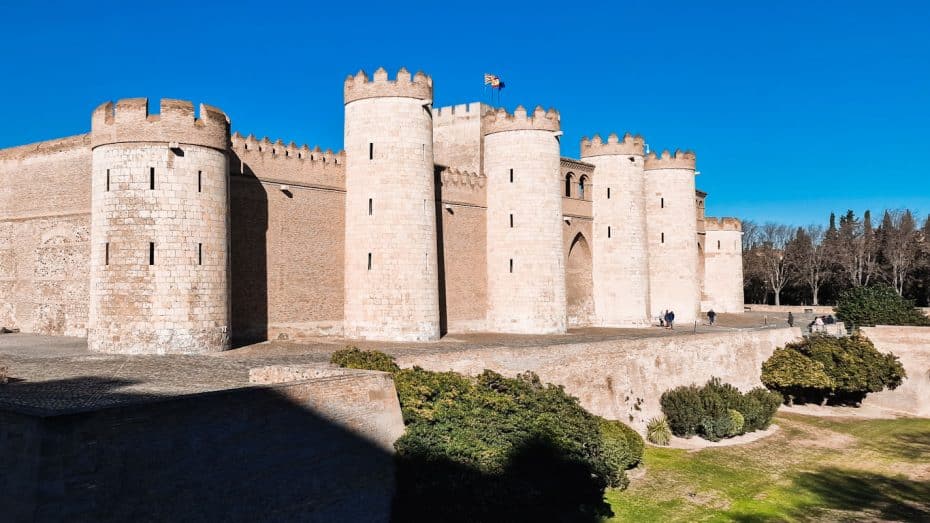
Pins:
x: 59, y: 374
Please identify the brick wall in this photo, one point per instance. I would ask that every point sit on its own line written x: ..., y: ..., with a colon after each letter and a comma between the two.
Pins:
x: 45, y: 235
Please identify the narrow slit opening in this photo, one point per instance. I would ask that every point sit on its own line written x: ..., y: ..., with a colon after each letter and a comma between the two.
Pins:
x: 151, y: 253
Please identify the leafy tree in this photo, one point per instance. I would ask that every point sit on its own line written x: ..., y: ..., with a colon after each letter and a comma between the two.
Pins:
x: 794, y: 374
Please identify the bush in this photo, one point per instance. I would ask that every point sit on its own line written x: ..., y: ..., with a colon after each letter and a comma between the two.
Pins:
x: 622, y: 449
x: 852, y: 365
x: 758, y: 407
x: 877, y: 305
x: 718, y: 410
x: 737, y: 422
x: 658, y: 432
x: 353, y: 358
x: 492, y: 448
x: 793, y: 373
x: 683, y: 410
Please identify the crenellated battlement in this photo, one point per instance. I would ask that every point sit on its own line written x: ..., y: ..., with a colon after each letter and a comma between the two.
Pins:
x: 289, y: 162
x: 452, y: 177
x: 630, y: 144
x: 496, y: 121
x: 679, y: 160
x: 453, y: 113
x: 129, y: 121
x: 722, y: 224
x: 358, y: 87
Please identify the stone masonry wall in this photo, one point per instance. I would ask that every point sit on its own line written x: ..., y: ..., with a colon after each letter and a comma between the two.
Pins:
x: 530, y: 297
x: 623, y: 379
x: 173, y: 297
x: 912, y: 346
x: 315, y: 450
x: 45, y: 236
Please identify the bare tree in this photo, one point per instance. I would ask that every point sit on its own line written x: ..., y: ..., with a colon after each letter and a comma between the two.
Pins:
x: 770, y: 254
x: 899, y: 247
x: 808, y: 260
x: 855, y: 250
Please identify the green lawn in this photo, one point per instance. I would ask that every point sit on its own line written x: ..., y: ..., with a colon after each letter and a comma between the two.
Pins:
x: 813, y: 469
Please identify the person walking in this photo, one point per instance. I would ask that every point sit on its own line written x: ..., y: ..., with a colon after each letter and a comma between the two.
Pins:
x: 671, y: 320
x: 711, y: 316
x: 790, y: 319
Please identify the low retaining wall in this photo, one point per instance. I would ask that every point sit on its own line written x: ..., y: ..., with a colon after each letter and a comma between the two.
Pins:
x: 912, y: 346
x: 785, y: 309
x: 623, y: 379
x: 314, y: 450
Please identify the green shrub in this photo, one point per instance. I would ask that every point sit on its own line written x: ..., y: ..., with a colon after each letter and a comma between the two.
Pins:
x: 494, y: 448
x: 852, y: 366
x: 758, y: 407
x: 658, y: 432
x: 622, y: 448
x: 737, y: 423
x: 683, y: 409
x: 353, y: 358
x: 718, y: 410
x: 877, y: 305
x: 794, y: 374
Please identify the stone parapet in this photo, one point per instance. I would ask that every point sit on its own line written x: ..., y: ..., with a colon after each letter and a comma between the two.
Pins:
x: 679, y: 160
x: 614, y: 146
x: 280, y: 162
x: 722, y: 224
x: 500, y: 120
x: 359, y: 87
x: 129, y: 121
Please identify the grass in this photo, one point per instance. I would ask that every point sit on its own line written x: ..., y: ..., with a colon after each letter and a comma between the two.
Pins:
x: 813, y: 469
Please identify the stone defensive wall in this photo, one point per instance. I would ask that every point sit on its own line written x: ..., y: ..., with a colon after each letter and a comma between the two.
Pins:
x: 359, y: 87
x: 623, y: 379
x: 722, y: 224
x: 129, y: 121
x: 679, y: 160
x: 180, y: 458
x: 629, y: 145
x: 277, y: 162
x: 912, y: 346
x: 463, y: 187
x: 500, y: 120
x: 45, y: 236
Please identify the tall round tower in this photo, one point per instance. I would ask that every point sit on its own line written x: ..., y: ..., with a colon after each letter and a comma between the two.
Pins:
x: 159, y: 229
x: 621, y: 256
x: 391, y: 274
x: 671, y: 225
x: 526, y: 276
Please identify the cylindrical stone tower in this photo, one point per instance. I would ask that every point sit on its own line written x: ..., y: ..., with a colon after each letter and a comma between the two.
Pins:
x: 391, y: 275
x: 159, y: 229
x: 671, y: 225
x: 526, y: 276
x: 723, y: 265
x: 621, y: 255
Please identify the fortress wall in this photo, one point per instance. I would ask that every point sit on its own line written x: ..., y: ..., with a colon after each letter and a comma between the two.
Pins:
x: 463, y: 256
x: 231, y: 455
x: 623, y: 379
x: 276, y: 162
x: 579, y: 280
x: 287, y: 253
x: 912, y: 346
x: 45, y: 236
x: 457, y: 136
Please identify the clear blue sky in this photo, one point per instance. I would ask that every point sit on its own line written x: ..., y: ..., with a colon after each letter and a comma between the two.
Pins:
x: 795, y: 108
